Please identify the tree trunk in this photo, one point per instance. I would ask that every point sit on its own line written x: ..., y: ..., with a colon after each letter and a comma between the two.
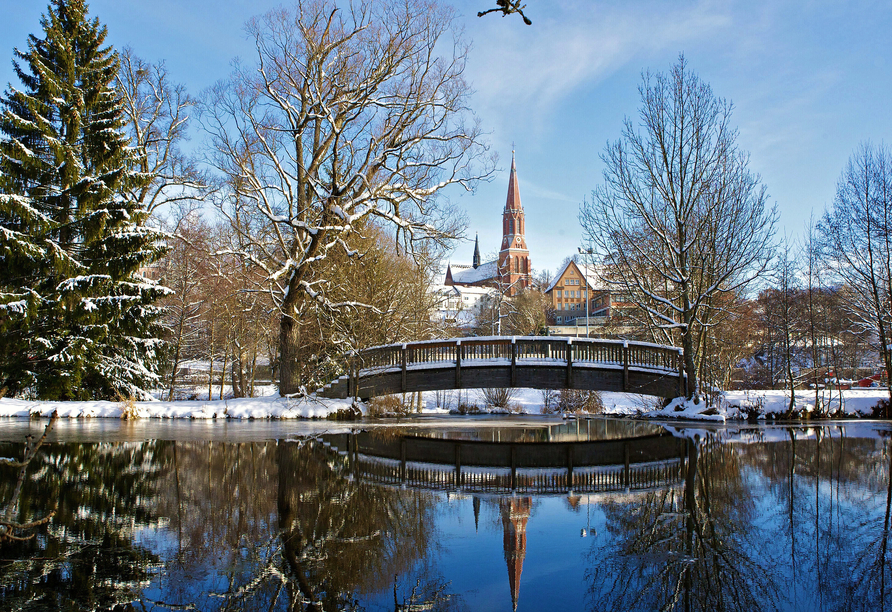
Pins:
x: 223, y: 370
x: 289, y: 345
x: 235, y: 376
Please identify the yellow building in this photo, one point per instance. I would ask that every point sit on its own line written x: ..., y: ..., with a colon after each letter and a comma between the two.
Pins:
x: 568, y: 293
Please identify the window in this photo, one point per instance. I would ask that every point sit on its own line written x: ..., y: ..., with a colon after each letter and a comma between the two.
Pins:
x: 559, y: 294
x: 560, y: 319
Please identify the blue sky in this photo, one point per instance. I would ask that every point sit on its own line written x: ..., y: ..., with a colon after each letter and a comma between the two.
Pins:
x: 809, y: 81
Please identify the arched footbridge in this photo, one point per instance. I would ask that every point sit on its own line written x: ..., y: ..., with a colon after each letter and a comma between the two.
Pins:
x: 528, y: 361
x: 640, y: 463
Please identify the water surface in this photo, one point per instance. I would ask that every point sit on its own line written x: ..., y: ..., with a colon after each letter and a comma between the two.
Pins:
x: 272, y: 515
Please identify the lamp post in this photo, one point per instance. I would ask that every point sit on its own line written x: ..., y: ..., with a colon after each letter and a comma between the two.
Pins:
x: 588, y: 292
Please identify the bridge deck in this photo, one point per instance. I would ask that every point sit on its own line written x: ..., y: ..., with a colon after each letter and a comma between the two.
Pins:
x: 546, y: 363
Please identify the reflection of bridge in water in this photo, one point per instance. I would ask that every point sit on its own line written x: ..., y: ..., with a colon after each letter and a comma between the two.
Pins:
x: 537, y: 362
x: 522, y: 464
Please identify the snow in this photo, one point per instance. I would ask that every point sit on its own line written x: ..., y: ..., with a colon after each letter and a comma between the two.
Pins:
x: 732, y: 405
x: 463, y: 274
x: 269, y: 407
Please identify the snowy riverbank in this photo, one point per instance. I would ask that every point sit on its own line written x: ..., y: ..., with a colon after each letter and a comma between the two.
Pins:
x: 735, y: 405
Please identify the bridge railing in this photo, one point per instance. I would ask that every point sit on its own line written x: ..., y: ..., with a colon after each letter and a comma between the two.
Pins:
x: 562, y: 350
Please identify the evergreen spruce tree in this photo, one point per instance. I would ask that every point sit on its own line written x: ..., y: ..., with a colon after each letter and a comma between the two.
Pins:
x: 77, y: 320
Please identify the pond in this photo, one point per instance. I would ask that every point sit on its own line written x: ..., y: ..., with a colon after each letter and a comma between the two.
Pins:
x: 449, y: 514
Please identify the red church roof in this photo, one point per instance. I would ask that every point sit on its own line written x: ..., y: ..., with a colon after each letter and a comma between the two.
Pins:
x: 513, y: 202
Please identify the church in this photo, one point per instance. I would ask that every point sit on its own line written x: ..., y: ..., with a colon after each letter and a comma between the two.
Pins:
x: 511, y: 272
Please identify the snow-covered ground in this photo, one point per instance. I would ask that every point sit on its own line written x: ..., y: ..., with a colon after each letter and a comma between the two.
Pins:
x: 734, y: 405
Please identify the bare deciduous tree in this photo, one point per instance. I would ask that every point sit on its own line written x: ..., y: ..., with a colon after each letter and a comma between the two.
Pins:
x: 857, y: 233
x: 184, y: 270
x: 157, y: 113
x: 349, y: 113
x: 680, y: 218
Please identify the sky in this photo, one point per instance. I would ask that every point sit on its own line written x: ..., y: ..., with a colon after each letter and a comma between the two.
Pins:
x: 809, y: 81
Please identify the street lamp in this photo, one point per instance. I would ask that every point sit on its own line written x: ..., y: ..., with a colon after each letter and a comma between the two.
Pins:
x: 588, y: 292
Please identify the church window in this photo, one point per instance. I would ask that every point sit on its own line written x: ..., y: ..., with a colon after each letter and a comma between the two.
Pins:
x: 517, y: 265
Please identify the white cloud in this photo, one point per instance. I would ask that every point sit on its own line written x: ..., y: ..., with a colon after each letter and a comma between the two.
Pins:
x: 528, y: 70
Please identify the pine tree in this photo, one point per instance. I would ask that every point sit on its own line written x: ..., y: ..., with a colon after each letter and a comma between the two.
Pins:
x: 77, y: 320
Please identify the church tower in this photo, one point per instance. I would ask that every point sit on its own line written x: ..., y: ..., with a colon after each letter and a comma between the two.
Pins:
x: 515, y: 513
x: 514, y: 258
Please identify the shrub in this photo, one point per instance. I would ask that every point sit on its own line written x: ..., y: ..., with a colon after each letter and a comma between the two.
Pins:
x: 575, y: 400
x: 389, y: 406
x: 550, y: 399
x: 499, y: 398
x: 465, y: 408
x: 882, y: 410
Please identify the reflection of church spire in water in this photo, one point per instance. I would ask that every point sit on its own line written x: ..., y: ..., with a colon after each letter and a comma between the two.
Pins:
x: 515, y: 512
x: 476, y: 513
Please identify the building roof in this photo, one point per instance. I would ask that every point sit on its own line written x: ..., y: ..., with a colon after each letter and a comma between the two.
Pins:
x: 466, y: 275
x: 592, y: 275
x: 513, y: 201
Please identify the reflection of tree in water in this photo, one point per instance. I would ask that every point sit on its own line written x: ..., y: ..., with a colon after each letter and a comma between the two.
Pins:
x: 833, y: 496
x: 342, y: 537
x: 282, y: 525
x: 689, y: 549
x: 86, y: 558
x: 870, y: 585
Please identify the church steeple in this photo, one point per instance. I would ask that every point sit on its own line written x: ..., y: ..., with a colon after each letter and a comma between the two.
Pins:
x: 513, y: 201
x: 515, y: 513
x: 476, y: 252
x: 514, y: 258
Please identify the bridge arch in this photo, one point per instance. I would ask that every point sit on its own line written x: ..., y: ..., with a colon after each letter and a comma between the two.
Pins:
x: 596, y: 466
x: 521, y: 361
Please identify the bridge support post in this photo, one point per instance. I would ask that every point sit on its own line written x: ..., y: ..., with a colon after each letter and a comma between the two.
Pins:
x: 625, y: 365
x: 682, y: 386
x: 403, y: 460
x: 570, y: 465
x: 458, y: 350
x: 405, y: 363
x: 352, y: 391
x: 513, y: 468
x: 513, y: 362
x: 626, y: 475
x: 458, y: 466
x: 569, y: 363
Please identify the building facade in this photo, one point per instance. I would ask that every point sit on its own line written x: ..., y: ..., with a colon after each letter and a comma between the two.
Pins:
x: 573, y: 287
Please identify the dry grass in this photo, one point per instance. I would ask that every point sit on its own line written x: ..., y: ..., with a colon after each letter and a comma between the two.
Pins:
x: 390, y: 406
x: 129, y: 409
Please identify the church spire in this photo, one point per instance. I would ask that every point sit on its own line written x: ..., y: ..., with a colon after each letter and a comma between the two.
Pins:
x: 513, y: 202
x: 476, y: 252
x: 514, y: 258
x: 515, y: 513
